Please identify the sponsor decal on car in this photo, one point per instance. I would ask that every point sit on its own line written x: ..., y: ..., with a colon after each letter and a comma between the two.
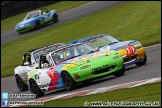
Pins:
x: 44, y: 85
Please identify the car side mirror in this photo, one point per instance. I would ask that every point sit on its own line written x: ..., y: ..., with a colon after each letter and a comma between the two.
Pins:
x: 44, y: 13
x: 26, y: 63
x: 119, y: 40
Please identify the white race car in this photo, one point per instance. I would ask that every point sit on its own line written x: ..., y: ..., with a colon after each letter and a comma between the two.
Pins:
x: 30, y: 60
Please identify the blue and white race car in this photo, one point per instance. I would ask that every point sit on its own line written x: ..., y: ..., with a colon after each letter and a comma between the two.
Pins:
x: 35, y: 19
x: 132, y: 51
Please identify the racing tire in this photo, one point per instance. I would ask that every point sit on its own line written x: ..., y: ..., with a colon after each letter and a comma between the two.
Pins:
x: 37, y: 25
x: 120, y: 72
x: 143, y: 62
x: 20, y: 33
x: 34, y: 88
x: 20, y: 84
x: 55, y: 18
x: 68, y: 81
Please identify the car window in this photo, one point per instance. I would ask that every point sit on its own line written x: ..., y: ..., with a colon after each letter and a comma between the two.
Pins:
x: 84, y: 48
x: 45, y: 50
x: 76, y: 52
x: 101, y: 41
x: 32, y: 15
x: 71, y: 52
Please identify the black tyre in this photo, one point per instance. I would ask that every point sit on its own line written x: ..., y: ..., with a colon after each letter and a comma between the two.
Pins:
x: 69, y: 83
x: 20, y: 33
x: 20, y: 84
x: 35, y: 89
x: 55, y: 18
x: 120, y: 72
x: 37, y: 25
x: 143, y: 62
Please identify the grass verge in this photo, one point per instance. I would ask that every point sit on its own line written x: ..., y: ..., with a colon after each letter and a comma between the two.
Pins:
x: 140, y: 20
x: 148, y: 95
x: 59, y: 7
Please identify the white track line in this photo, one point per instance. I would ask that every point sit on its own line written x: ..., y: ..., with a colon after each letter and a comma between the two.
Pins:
x: 96, y: 90
x: 153, y: 45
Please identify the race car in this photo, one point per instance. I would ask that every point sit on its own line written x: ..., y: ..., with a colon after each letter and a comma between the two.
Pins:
x: 30, y: 60
x: 36, y: 19
x: 72, y: 64
x: 132, y: 51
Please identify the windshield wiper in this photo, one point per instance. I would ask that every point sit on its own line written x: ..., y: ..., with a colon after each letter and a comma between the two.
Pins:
x: 100, y: 47
x: 91, y: 51
x: 73, y: 57
x: 112, y: 43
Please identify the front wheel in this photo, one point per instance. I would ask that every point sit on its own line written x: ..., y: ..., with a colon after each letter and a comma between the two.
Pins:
x: 143, y: 62
x: 55, y: 18
x: 37, y: 25
x: 35, y: 89
x: 69, y: 83
x: 20, y: 84
x: 120, y: 72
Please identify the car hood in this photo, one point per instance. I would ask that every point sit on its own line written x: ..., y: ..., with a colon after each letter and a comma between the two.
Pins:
x: 120, y: 45
x: 25, y: 21
x: 80, y: 60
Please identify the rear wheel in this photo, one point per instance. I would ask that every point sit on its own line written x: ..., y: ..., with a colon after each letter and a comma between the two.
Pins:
x: 20, y: 84
x: 120, y: 72
x: 35, y: 89
x: 143, y: 62
x: 69, y: 83
x: 55, y: 18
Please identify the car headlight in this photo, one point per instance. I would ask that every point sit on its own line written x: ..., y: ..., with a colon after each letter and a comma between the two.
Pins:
x: 116, y: 57
x: 85, y: 67
x: 22, y: 25
x: 27, y: 24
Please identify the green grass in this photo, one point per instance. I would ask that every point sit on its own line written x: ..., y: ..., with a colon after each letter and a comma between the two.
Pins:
x: 147, y: 93
x: 59, y: 7
x: 140, y: 20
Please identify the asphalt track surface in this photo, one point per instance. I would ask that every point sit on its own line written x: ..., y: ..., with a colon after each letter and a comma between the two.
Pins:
x: 66, y: 16
x: 151, y: 69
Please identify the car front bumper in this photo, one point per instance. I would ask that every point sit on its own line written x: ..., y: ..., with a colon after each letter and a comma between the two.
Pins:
x: 25, y: 29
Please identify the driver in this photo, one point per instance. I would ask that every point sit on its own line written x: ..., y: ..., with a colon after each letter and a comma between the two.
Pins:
x: 57, y: 58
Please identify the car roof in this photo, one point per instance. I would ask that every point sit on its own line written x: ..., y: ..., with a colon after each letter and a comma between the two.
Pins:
x: 36, y: 49
x: 87, y: 38
x: 67, y: 45
x: 43, y: 8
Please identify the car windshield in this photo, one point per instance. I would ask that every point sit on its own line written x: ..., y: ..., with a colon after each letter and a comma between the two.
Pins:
x: 45, y: 50
x: 71, y: 52
x: 101, y: 41
x: 32, y: 15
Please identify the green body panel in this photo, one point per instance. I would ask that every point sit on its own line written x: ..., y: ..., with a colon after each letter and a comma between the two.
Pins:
x: 42, y: 22
x: 31, y: 74
x: 25, y: 29
x: 97, y: 62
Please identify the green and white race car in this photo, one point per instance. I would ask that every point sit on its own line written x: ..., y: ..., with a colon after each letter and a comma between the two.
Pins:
x: 36, y: 19
x: 72, y: 64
